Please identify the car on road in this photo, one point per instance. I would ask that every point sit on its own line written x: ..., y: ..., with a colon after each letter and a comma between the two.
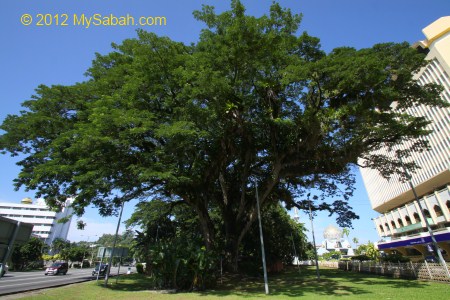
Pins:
x: 57, y: 268
x: 102, y: 268
x: 5, y: 269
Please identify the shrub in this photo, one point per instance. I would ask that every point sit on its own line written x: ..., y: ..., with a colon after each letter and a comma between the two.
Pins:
x: 395, y: 258
x: 140, y: 268
x: 86, y: 264
x: 361, y: 257
x: 181, y: 265
x: 47, y: 257
x: 332, y: 255
x: 35, y: 265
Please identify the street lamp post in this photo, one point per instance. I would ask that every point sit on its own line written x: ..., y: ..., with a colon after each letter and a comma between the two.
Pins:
x: 92, y: 254
x: 84, y: 252
x: 114, y: 245
x: 314, y: 239
x: 263, y: 254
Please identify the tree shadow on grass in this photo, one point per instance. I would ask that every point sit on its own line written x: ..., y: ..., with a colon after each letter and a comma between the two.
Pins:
x: 290, y: 283
x: 333, y: 282
x: 368, y: 279
x: 133, y: 282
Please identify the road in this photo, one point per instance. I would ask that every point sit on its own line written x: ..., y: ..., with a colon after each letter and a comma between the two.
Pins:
x: 16, y: 282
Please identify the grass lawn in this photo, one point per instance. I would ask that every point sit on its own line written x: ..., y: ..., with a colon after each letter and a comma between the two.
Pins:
x: 289, y: 285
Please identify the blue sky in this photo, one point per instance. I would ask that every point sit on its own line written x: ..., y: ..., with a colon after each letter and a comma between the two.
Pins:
x: 33, y: 55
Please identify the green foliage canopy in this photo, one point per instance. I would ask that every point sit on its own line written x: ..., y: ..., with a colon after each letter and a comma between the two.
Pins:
x: 25, y: 255
x: 123, y: 240
x: 59, y: 245
x: 77, y: 253
x: 332, y: 255
x: 283, y: 238
x: 251, y: 101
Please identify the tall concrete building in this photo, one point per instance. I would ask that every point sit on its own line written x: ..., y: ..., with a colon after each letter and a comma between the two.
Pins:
x: 45, y: 220
x: 400, y: 224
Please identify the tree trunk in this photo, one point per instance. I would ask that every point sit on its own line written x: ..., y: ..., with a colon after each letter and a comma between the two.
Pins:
x: 235, y: 256
x: 234, y: 245
x: 235, y: 233
x: 206, y: 227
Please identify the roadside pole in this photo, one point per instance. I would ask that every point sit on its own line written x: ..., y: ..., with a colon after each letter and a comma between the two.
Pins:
x: 263, y: 254
x: 314, y: 240
x: 114, y: 245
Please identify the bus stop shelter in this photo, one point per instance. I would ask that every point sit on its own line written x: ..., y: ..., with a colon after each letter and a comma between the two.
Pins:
x: 12, y: 233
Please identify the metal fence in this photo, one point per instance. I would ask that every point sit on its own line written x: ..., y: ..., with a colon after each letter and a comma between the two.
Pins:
x: 410, y: 270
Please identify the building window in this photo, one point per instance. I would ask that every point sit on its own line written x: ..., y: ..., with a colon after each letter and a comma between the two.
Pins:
x: 448, y: 205
x: 438, y: 211
x: 393, y: 224
x: 416, y: 217
x: 426, y: 213
x: 400, y: 222
x: 381, y: 229
x: 386, y: 226
x: 408, y: 220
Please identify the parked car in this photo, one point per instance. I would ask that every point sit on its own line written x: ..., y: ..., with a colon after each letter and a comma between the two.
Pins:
x: 103, y: 268
x: 5, y: 269
x: 57, y: 268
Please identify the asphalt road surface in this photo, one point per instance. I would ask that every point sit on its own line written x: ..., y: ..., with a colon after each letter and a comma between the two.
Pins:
x: 16, y: 282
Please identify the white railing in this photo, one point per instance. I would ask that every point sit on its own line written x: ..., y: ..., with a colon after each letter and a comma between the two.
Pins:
x: 423, y: 271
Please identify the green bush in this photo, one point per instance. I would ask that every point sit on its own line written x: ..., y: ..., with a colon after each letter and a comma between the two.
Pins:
x: 86, y: 264
x: 361, y: 257
x: 332, y: 255
x: 183, y: 266
x: 140, y: 268
x: 395, y: 258
x: 35, y: 265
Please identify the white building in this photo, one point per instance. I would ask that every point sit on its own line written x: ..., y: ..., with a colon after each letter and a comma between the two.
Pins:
x: 45, y: 221
x: 400, y: 221
x: 334, y: 241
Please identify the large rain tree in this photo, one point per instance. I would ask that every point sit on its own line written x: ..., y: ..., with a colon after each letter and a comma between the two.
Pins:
x: 252, y: 102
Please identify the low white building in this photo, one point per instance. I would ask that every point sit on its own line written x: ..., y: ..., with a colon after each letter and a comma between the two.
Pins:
x: 45, y: 220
